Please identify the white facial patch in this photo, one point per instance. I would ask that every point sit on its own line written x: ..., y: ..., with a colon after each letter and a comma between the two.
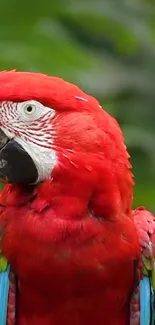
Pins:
x: 30, y: 124
x: 44, y: 158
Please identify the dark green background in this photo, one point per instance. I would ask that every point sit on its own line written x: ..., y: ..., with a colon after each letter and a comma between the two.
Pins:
x: 107, y: 48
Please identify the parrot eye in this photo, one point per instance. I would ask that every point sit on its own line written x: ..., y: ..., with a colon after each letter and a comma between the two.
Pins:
x: 31, y: 109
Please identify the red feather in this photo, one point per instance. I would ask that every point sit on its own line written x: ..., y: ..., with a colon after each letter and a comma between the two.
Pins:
x: 71, y: 240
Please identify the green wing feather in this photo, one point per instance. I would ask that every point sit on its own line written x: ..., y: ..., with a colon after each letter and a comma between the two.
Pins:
x: 3, y: 264
x: 148, y: 258
x: 3, y: 261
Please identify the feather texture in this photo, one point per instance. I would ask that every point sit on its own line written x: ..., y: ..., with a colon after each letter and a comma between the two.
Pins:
x: 71, y: 240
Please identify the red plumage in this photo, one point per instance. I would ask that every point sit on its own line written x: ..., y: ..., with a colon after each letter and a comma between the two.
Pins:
x: 71, y: 240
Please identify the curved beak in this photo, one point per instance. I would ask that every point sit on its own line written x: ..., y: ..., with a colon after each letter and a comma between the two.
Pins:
x: 16, y: 165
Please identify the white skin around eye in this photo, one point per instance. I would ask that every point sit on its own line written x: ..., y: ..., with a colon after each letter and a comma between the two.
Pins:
x: 32, y: 121
x: 32, y: 110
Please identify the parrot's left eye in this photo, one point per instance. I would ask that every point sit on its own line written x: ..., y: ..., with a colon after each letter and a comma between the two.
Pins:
x: 31, y: 110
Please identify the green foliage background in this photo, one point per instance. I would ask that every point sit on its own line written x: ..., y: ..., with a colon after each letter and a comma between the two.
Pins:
x: 107, y: 48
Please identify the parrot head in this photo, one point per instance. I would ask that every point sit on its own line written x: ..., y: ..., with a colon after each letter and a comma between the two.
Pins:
x: 52, y: 132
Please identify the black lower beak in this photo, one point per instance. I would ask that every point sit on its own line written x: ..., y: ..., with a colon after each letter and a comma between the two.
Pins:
x: 16, y: 165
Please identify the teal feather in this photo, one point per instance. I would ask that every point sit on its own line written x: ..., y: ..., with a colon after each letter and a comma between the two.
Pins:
x: 4, y: 291
x: 145, y: 301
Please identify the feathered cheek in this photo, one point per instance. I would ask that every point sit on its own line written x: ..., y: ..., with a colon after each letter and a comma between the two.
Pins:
x: 16, y: 165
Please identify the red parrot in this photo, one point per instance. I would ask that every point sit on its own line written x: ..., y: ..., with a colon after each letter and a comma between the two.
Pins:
x: 66, y: 220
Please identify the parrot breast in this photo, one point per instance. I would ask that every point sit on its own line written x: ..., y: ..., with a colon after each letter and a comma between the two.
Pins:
x: 79, y: 272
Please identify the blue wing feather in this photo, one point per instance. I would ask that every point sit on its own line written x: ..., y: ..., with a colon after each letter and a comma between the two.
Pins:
x: 4, y: 291
x: 145, y: 301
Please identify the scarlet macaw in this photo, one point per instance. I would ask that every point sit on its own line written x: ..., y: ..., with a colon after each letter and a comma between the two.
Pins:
x: 67, y: 227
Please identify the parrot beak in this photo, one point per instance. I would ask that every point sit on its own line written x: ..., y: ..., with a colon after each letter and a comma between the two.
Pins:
x: 16, y: 165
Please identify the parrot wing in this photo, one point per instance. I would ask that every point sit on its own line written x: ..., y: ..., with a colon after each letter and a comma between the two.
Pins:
x: 7, y: 290
x: 142, y: 306
x: 4, y: 288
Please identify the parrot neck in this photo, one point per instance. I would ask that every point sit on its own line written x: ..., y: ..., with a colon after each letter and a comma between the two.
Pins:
x: 64, y: 198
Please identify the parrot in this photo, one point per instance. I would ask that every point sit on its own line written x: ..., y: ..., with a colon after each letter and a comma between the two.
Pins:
x: 76, y: 249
